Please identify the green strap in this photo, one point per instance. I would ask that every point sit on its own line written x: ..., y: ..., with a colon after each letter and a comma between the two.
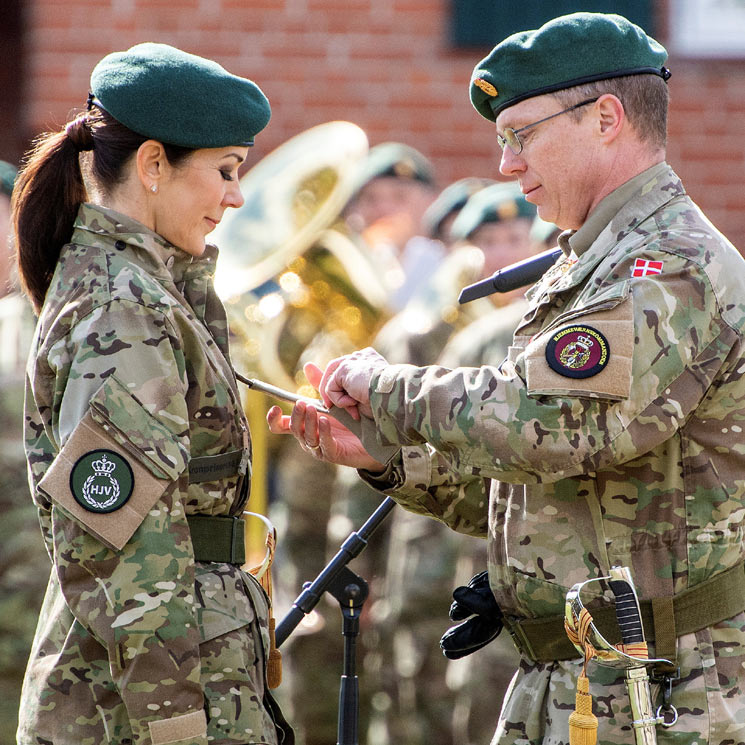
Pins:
x: 665, y: 629
x: 214, y: 467
x: 664, y: 619
x: 218, y: 539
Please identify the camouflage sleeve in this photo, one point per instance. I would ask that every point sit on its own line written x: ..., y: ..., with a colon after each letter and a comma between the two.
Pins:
x: 658, y: 345
x: 127, y: 571
x: 426, y: 482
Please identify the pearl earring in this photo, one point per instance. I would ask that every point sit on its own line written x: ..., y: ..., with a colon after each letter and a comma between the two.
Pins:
x: 154, y: 188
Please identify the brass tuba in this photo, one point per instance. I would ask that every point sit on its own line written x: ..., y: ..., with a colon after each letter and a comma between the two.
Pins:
x: 295, y: 283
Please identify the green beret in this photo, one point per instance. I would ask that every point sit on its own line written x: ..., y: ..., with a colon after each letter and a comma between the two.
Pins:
x: 503, y: 201
x: 396, y: 160
x: 567, y: 51
x: 451, y: 199
x: 541, y: 231
x: 7, y: 177
x: 178, y: 98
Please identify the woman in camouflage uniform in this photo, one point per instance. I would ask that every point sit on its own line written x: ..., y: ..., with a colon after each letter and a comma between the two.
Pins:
x: 137, y: 445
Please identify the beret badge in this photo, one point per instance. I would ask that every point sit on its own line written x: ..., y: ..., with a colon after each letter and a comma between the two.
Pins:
x: 404, y: 169
x: 486, y: 86
x: 508, y: 210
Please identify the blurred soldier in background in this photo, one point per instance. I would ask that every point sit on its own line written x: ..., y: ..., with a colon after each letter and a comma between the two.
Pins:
x: 497, y: 221
x: 394, y: 188
x: 381, y: 223
x: 478, y: 682
x: 300, y: 283
x: 489, y: 227
x: 420, y: 330
x: 7, y: 177
x: 24, y: 565
x: 488, y: 337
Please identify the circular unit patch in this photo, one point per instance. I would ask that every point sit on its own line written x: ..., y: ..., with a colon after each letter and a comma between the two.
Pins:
x: 577, y: 351
x: 101, y: 481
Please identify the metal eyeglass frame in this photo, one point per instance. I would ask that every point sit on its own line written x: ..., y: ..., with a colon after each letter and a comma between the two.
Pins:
x: 516, y: 146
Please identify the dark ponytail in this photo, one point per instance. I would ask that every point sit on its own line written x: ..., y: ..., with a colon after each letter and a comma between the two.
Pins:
x: 50, y: 188
x: 46, y: 195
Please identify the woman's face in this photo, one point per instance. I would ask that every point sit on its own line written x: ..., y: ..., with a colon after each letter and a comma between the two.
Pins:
x: 192, y: 196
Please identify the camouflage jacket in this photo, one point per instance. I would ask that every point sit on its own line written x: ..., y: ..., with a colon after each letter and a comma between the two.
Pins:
x: 612, y: 434
x: 128, y: 380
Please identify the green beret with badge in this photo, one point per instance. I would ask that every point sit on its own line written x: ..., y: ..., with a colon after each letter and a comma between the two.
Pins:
x: 496, y: 203
x: 8, y: 174
x: 395, y: 160
x: 178, y: 98
x: 451, y: 199
x: 567, y: 51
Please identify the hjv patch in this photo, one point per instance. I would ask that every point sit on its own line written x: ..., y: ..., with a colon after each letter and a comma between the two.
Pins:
x: 577, y: 351
x: 101, y: 481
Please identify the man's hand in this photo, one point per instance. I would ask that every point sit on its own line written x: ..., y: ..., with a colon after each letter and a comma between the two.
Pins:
x: 346, y: 381
x: 319, y: 434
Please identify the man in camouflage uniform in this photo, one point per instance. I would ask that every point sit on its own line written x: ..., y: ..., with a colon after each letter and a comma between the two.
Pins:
x: 612, y: 434
x: 24, y: 565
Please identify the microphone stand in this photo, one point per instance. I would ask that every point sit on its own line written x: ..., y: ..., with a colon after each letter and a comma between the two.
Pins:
x: 351, y: 591
x: 343, y: 584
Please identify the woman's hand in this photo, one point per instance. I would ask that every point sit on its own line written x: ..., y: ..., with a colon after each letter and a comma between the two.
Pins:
x: 321, y: 435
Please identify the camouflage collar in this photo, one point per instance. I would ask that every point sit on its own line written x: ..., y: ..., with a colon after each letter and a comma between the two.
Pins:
x: 610, y: 206
x: 612, y: 220
x: 124, y: 235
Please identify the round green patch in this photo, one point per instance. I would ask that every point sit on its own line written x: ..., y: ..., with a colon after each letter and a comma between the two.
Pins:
x: 101, y: 481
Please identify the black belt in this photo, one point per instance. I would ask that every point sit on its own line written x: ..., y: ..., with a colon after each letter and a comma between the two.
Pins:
x: 218, y: 539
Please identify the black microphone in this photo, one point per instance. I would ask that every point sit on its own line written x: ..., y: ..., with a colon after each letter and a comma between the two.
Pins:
x: 522, y: 273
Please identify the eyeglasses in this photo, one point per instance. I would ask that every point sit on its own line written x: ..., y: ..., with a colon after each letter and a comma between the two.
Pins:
x: 510, y: 137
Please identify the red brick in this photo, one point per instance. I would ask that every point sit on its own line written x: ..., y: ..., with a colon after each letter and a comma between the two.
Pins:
x: 384, y: 64
x: 341, y: 7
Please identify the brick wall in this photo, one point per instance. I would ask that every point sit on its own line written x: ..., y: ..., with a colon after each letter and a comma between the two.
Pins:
x: 383, y: 64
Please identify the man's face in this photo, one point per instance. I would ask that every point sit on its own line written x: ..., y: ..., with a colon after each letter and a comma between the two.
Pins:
x: 556, y: 166
x: 503, y: 243
x: 387, y: 196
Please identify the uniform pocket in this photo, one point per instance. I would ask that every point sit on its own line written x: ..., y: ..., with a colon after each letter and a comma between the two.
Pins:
x: 587, y: 352
x: 128, y: 422
x: 223, y: 603
x: 231, y: 623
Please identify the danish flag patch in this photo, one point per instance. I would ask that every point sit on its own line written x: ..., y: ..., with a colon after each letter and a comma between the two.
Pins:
x: 643, y: 267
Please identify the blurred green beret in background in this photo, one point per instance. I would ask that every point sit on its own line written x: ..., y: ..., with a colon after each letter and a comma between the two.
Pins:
x: 178, y: 98
x: 395, y: 160
x: 502, y: 201
x: 542, y: 232
x: 450, y: 200
x: 567, y: 51
x: 7, y: 177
